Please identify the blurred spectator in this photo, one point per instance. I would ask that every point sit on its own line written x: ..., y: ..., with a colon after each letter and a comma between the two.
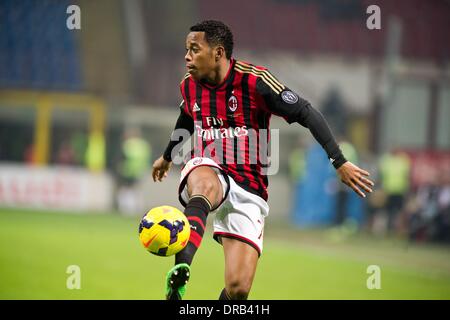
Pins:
x: 335, y: 111
x: 395, y: 177
x: 79, y: 145
x: 95, y: 152
x: 136, y: 152
x: 65, y: 154
x: 297, y: 162
x: 443, y: 215
x: 376, y: 215
x: 422, y: 210
x: 30, y: 155
x: 429, y: 211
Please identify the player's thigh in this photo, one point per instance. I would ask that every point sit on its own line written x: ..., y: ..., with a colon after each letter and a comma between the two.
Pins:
x: 241, y: 261
x: 204, y: 180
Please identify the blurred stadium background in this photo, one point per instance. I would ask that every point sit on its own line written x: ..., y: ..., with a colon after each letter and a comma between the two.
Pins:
x: 84, y: 113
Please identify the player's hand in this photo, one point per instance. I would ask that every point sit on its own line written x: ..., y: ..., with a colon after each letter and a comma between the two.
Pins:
x: 160, y: 169
x: 354, y: 177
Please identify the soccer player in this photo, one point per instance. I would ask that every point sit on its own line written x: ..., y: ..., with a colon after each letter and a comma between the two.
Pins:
x: 225, y: 102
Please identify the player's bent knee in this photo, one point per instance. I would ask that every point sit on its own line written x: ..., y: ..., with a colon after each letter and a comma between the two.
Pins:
x: 239, y: 289
x: 206, y: 184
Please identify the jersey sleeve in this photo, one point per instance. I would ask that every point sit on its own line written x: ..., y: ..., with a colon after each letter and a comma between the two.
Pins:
x: 184, y: 105
x: 184, y: 121
x: 281, y: 101
x: 183, y: 109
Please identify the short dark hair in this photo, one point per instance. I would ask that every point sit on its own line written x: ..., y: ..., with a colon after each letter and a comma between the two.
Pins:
x: 216, y: 32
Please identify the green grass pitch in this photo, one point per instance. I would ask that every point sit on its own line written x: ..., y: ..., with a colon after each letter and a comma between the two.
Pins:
x: 37, y: 247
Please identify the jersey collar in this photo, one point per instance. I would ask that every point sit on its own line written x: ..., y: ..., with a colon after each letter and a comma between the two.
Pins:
x: 224, y: 81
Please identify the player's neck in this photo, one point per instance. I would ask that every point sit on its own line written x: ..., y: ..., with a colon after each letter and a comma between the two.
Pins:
x: 217, y: 76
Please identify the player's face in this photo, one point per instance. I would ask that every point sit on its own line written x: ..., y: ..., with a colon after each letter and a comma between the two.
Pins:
x: 200, y: 61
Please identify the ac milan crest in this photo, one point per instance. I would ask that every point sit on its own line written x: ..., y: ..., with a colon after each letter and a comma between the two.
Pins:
x: 232, y: 103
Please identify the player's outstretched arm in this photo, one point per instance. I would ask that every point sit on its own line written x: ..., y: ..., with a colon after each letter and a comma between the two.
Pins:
x: 355, y: 178
x: 286, y: 103
x: 160, y: 169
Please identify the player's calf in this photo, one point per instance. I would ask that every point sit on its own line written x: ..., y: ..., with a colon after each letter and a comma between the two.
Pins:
x: 205, y: 192
x: 196, y: 212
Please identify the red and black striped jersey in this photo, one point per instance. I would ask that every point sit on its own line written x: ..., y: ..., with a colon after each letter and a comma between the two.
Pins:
x: 230, y: 122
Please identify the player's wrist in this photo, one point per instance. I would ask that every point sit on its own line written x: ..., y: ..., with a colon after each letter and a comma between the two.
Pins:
x: 339, y: 161
x: 167, y: 157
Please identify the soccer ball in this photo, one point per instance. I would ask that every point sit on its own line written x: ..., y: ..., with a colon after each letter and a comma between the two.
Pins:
x: 164, y: 231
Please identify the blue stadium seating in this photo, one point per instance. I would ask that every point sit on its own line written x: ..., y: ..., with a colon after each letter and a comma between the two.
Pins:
x: 37, y: 51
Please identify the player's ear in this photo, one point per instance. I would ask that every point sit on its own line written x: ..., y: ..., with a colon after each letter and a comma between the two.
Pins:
x: 219, y: 52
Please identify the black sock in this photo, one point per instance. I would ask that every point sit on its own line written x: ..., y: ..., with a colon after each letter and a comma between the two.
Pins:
x: 196, y: 211
x: 224, y: 295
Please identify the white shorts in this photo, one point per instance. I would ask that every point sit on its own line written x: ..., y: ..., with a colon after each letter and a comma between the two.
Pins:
x: 240, y: 215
